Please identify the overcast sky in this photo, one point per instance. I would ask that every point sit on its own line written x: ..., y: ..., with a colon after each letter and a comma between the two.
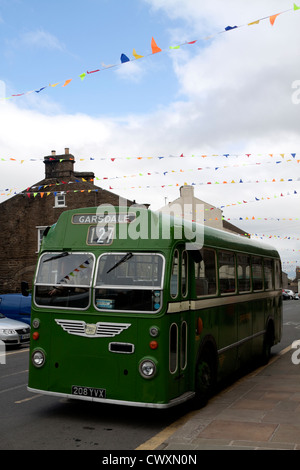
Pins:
x: 234, y: 93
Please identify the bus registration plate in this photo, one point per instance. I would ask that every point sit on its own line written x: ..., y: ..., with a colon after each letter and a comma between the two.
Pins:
x: 89, y: 392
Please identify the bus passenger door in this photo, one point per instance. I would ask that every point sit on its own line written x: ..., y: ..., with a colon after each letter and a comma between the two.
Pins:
x: 178, y: 357
x: 178, y: 333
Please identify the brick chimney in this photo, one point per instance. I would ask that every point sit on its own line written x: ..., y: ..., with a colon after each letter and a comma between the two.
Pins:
x: 59, y: 166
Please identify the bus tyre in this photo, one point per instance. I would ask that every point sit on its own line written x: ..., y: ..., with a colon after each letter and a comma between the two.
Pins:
x: 205, y: 378
x: 267, y: 345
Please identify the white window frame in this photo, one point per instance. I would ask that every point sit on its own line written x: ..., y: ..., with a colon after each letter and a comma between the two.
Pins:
x: 60, y: 202
x: 40, y: 231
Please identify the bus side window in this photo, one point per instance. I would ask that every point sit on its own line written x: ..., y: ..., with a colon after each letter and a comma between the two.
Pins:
x: 278, y: 275
x: 257, y: 273
x: 205, y: 273
x: 244, y: 273
x: 184, y: 274
x: 268, y: 274
x: 227, y: 275
x: 174, y: 275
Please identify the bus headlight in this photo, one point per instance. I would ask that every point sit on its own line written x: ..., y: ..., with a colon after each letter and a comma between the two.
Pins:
x: 38, y: 358
x: 147, y: 369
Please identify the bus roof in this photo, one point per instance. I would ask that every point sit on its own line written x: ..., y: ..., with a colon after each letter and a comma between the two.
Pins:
x: 215, y: 238
x: 70, y: 232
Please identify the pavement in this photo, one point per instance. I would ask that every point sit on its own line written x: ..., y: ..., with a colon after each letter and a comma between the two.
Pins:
x: 260, y: 411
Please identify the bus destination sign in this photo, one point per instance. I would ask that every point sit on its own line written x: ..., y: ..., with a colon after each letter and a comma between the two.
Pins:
x: 120, y: 218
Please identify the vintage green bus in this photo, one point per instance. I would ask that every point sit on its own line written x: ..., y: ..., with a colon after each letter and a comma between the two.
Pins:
x: 126, y: 309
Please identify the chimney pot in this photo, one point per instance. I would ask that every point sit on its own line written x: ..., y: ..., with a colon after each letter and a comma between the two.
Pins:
x: 67, y: 151
x: 53, y: 152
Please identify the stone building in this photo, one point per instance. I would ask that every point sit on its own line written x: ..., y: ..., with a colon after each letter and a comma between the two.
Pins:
x: 191, y: 208
x: 24, y: 217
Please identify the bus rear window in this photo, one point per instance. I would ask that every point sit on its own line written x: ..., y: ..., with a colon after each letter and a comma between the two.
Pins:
x: 129, y: 282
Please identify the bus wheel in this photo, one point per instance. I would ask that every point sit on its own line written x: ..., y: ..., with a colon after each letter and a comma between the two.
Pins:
x: 205, y: 378
x: 267, y: 345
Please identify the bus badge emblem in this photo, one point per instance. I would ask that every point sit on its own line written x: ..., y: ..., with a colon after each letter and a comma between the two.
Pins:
x: 90, y: 329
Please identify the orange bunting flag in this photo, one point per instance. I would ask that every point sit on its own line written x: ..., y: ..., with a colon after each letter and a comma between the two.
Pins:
x: 67, y: 82
x: 273, y: 18
x: 154, y: 47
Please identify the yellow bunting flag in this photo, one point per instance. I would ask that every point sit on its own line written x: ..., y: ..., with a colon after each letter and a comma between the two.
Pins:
x: 137, y: 56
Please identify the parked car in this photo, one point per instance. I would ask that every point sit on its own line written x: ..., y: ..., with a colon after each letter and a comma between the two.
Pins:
x: 296, y: 296
x: 290, y: 292
x: 13, y: 332
x: 16, y: 306
x: 285, y: 295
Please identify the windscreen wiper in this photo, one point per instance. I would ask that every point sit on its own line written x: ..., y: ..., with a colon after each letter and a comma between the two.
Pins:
x: 61, y: 255
x: 122, y: 260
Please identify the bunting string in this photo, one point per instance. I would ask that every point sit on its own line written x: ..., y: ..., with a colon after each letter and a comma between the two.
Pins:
x: 285, y: 157
x: 155, y: 49
x: 31, y: 191
x: 278, y: 237
x: 246, y: 218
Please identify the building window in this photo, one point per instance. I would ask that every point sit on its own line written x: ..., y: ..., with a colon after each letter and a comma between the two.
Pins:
x: 60, y: 200
x: 40, y: 236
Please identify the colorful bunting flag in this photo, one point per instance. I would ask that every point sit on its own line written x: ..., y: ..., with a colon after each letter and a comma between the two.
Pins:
x: 124, y: 58
x: 43, y: 88
x: 273, y: 18
x: 154, y: 47
x: 229, y: 28
x: 67, y: 82
x: 136, y: 56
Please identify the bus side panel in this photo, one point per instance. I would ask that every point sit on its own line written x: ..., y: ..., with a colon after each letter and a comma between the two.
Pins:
x: 245, y: 329
x: 259, y: 325
x: 278, y: 317
x: 227, y: 333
